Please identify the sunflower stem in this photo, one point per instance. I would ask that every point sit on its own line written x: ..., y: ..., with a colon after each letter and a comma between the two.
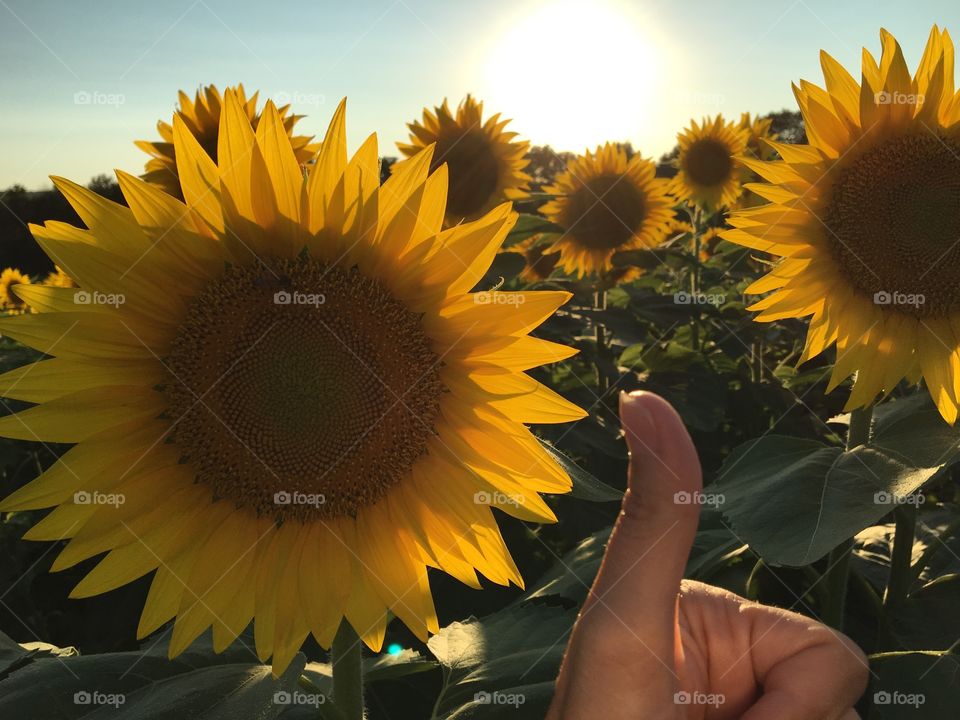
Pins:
x: 347, y: 658
x: 901, y: 571
x: 600, y: 304
x: 838, y: 562
x: 695, y: 279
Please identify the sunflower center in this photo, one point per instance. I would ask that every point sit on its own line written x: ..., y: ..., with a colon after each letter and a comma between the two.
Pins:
x: 473, y: 171
x: 301, y: 391
x: 606, y: 213
x: 707, y: 162
x: 893, y: 218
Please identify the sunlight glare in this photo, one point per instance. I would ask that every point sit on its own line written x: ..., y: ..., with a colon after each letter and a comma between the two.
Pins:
x: 571, y: 72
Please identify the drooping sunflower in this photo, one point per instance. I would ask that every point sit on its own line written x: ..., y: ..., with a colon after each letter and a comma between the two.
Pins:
x: 607, y: 203
x: 485, y: 162
x: 708, y: 172
x: 866, y: 219
x: 58, y: 278
x: 677, y: 226
x: 201, y: 116
x: 708, y: 242
x: 539, y: 262
x: 10, y: 301
x: 294, y: 404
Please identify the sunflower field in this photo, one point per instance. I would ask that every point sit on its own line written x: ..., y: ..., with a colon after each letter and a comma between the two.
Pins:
x: 292, y: 432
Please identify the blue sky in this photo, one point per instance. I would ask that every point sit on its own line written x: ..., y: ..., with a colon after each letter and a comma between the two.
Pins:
x: 570, y: 73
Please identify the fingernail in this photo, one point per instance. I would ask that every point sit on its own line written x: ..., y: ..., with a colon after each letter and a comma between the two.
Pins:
x: 637, y: 423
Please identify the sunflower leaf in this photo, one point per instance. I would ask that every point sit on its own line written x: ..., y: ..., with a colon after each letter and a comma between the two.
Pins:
x: 907, y: 685
x: 503, y: 665
x: 528, y: 225
x: 585, y: 485
x: 793, y: 500
x: 146, y: 685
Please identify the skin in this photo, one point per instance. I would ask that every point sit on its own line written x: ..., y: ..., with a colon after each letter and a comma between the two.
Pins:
x: 645, y: 633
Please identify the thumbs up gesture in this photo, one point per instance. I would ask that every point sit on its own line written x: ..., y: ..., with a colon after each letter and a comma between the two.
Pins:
x: 649, y: 645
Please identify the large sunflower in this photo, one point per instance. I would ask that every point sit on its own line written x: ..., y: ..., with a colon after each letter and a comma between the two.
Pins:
x: 708, y: 173
x: 607, y: 204
x: 201, y: 116
x: 10, y: 301
x: 866, y: 219
x: 285, y: 398
x: 484, y: 161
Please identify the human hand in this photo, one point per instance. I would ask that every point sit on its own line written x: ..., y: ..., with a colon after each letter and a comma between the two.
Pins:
x: 646, y: 640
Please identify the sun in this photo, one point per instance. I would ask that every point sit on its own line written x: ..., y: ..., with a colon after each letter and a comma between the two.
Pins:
x: 599, y: 84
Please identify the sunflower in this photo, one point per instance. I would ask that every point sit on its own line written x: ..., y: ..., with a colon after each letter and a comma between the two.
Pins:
x: 294, y: 404
x: 708, y: 242
x: 758, y: 147
x: 58, y: 278
x: 539, y: 262
x: 865, y: 220
x: 10, y: 301
x: 607, y: 204
x: 758, y: 133
x: 676, y: 226
x: 201, y: 116
x: 708, y: 174
x: 485, y: 162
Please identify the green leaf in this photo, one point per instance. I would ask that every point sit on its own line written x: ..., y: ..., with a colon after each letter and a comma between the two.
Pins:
x: 793, y: 500
x: 376, y: 668
x: 574, y: 573
x: 502, y: 666
x: 912, y: 624
x: 12, y: 654
x: 528, y: 225
x: 145, y: 685
x: 913, y: 431
x: 585, y: 485
x: 912, y: 685
x: 390, y: 667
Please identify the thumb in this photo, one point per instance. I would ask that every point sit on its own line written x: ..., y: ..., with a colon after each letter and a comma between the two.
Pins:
x: 621, y: 658
x: 651, y: 541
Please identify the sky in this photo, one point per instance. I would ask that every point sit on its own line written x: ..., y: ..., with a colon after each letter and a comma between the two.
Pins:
x: 82, y: 79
